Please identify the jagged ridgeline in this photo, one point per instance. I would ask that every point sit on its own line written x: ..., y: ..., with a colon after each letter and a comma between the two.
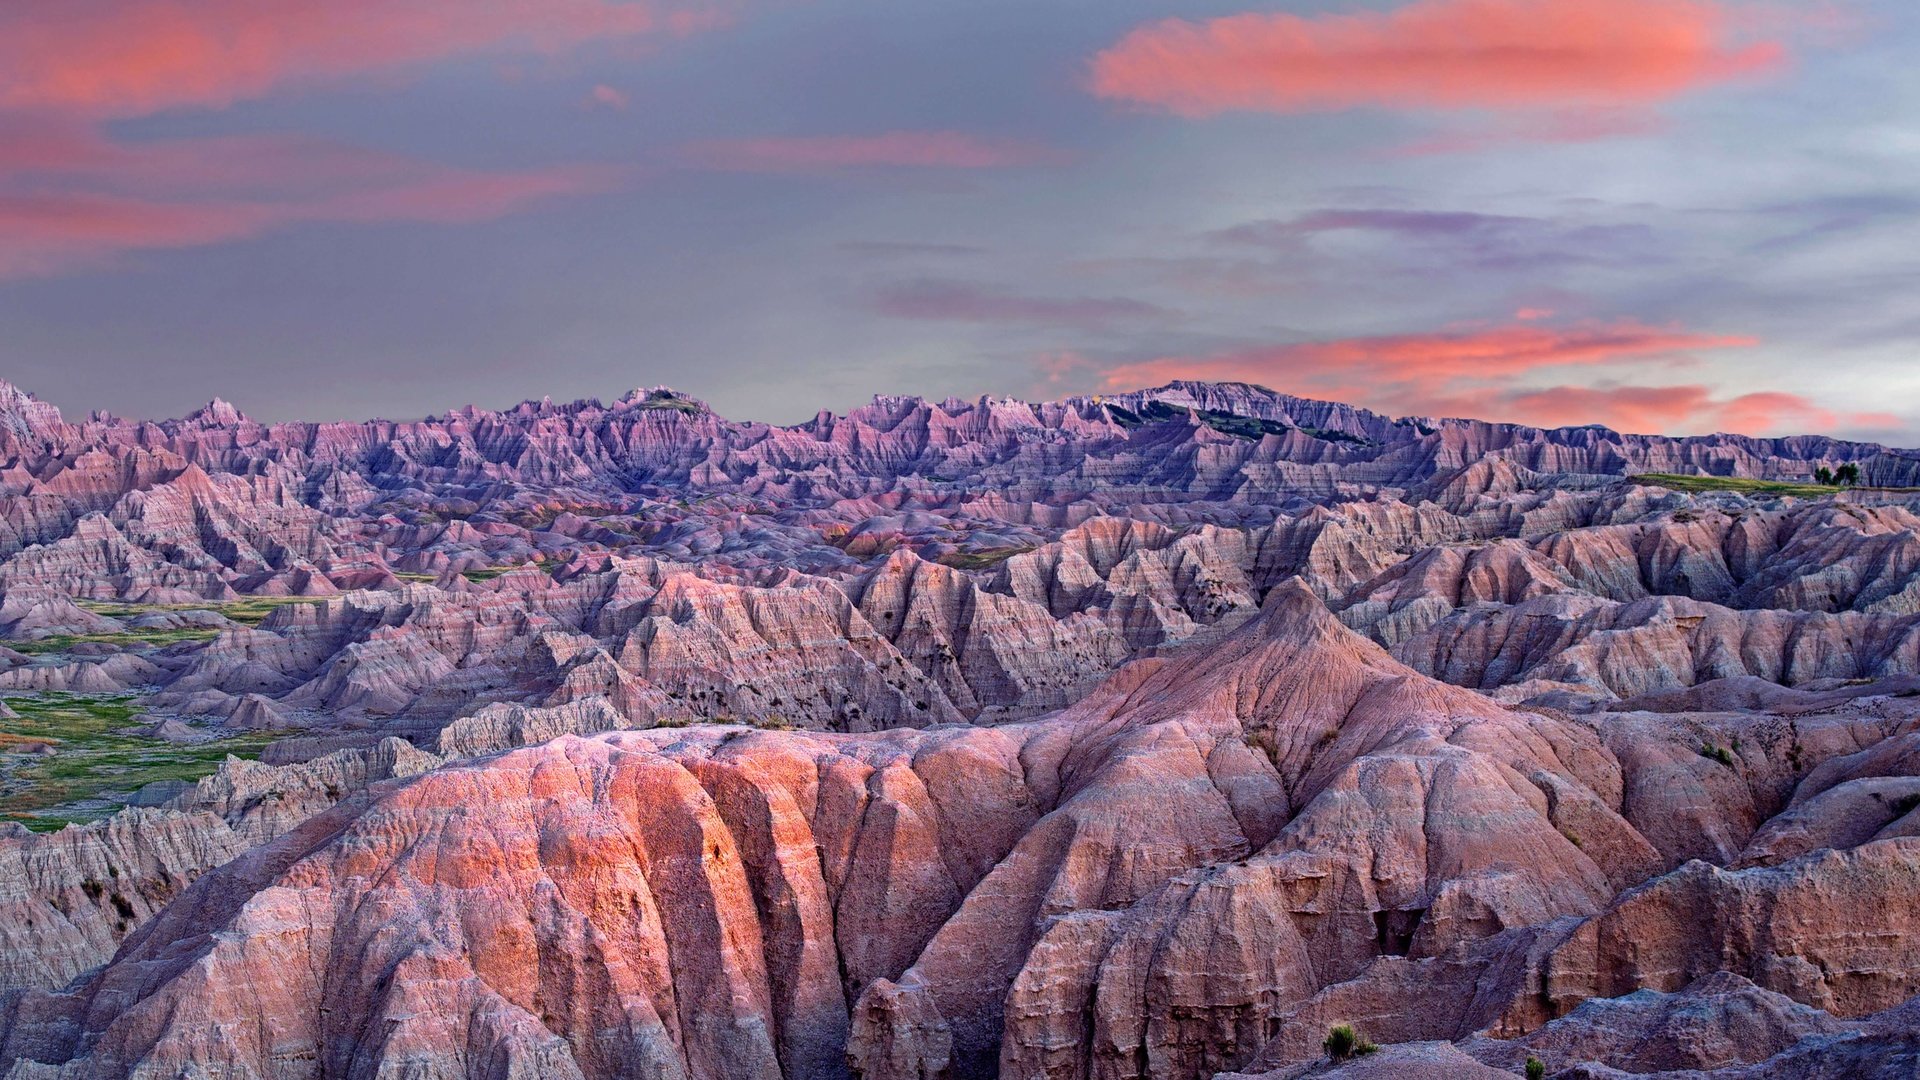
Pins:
x: 1189, y: 732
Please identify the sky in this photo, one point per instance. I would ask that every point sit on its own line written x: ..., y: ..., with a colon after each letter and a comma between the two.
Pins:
x: 1677, y: 216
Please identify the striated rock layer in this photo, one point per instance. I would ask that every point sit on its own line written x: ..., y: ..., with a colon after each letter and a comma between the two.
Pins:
x: 1200, y: 866
x: 1143, y: 736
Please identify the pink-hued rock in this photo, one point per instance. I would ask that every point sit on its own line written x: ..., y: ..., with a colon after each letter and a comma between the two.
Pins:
x: 1150, y: 735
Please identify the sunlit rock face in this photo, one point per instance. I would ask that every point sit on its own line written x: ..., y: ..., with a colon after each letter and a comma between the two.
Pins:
x: 1143, y: 736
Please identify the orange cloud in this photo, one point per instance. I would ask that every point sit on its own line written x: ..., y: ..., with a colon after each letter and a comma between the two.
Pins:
x: 1425, y: 363
x: 132, y: 57
x: 1624, y: 408
x: 891, y: 150
x: 1471, y: 373
x: 1673, y: 408
x: 1448, y: 54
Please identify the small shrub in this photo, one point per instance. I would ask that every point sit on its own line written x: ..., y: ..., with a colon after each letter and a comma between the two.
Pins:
x: 1717, y: 753
x: 1343, y: 1042
x: 1536, y: 1069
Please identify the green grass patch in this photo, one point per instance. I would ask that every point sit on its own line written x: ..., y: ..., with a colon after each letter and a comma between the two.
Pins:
x: 982, y: 560
x: 138, y: 639
x: 488, y: 573
x: 93, y: 758
x: 248, y: 610
x: 1748, y: 486
x: 253, y: 610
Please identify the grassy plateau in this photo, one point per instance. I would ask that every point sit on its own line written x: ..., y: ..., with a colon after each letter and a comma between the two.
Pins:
x: 70, y: 758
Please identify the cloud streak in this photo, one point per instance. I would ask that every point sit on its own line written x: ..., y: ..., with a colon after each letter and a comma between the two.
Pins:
x: 73, y: 198
x: 1671, y: 408
x: 1510, y: 55
x: 73, y: 201
x: 1472, y: 372
x: 956, y: 301
x: 113, y: 58
x: 1425, y: 359
x: 887, y: 150
x: 1493, y: 242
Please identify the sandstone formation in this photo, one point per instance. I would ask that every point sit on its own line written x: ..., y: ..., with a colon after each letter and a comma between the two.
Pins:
x: 1142, y: 736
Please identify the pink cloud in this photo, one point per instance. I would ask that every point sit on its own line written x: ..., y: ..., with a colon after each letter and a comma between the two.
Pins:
x: 890, y: 150
x: 1526, y: 55
x: 1690, y: 408
x: 131, y: 57
x: 1566, y: 126
x: 1423, y: 362
x: 84, y: 202
x: 70, y: 197
x: 1472, y: 372
x: 1062, y: 367
x: 605, y: 97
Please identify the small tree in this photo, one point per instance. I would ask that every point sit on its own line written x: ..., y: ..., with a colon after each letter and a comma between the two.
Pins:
x: 1536, y: 1069
x: 1823, y: 474
x: 1847, y: 475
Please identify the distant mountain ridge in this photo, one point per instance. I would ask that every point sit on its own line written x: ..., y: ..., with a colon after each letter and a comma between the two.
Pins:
x: 902, y: 435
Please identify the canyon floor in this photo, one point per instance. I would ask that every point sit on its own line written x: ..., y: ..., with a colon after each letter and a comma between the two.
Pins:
x: 1149, y: 735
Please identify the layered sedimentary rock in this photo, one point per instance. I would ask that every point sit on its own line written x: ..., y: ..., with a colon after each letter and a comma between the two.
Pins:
x: 1144, y: 736
x: 1170, y: 878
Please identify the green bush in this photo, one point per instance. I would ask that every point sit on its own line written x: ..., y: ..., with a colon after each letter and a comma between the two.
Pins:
x: 1717, y: 753
x: 1536, y: 1069
x: 1343, y: 1042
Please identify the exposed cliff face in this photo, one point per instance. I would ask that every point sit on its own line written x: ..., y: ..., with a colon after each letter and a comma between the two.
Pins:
x: 73, y: 896
x: 1147, y: 736
x: 1195, y: 865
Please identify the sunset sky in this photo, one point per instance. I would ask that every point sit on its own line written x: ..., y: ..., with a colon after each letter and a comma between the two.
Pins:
x: 1664, y: 215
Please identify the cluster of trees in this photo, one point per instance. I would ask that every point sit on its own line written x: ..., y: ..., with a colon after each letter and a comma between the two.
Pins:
x: 1845, y: 476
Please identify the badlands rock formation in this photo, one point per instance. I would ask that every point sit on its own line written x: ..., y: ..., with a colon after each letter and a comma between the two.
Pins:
x: 1146, y: 736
